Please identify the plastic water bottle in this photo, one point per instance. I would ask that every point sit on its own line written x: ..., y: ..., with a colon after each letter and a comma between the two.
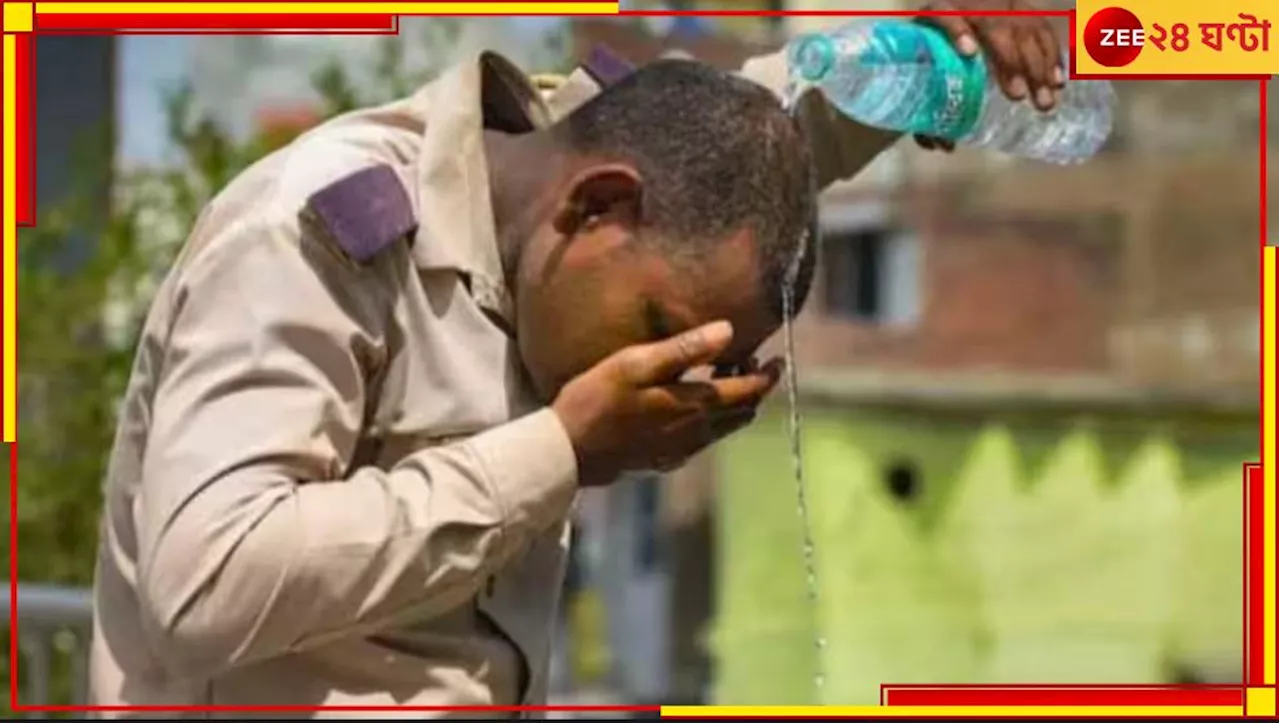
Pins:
x: 907, y: 77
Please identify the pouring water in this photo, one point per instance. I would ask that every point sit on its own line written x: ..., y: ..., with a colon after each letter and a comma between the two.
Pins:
x: 802, y: 502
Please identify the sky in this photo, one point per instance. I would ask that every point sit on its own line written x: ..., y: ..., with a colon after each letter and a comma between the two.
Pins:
x: 148, y: 64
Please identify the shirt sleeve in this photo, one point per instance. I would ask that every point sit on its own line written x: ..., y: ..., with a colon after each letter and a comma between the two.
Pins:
x: 255, y: 538
x: 841, y: 147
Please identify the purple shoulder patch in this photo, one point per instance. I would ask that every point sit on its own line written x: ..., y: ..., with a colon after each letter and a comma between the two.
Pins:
x: 606, y: 67
x: 365, y: 212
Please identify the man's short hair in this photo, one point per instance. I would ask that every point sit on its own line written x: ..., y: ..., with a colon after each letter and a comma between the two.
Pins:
x: 717, y: 153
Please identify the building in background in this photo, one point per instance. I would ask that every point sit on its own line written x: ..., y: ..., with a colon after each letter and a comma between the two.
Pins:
x: 74, y: 132
x: 75, y: 103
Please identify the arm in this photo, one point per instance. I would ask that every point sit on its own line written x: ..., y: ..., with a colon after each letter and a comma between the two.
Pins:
x: 255, y: 537
x: 1023, y: 51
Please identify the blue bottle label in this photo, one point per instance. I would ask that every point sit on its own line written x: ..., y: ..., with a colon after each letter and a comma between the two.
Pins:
x: 956, y: 91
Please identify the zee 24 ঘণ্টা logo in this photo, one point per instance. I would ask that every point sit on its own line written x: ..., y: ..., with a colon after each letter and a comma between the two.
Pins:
x: 1114, y: 37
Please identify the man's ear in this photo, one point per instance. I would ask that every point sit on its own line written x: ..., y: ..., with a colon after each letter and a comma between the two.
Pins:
x: 610, y: 193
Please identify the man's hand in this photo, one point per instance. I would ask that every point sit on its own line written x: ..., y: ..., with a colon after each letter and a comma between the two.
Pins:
x: 1023, y: 52
x: 631, y: 411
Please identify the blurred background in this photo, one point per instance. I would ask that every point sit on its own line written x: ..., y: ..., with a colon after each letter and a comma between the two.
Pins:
x: 1028, y: 390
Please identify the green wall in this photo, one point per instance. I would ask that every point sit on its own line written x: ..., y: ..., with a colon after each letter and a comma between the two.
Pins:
x: 1036, y: 550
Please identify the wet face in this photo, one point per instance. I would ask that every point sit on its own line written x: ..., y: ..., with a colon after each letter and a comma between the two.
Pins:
x: 589, y: 286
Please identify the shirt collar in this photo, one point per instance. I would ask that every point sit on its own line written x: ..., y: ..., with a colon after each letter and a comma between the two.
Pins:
x: 455, y: 213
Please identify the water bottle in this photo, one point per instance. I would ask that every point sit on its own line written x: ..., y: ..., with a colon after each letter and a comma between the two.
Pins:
x: 907, y: 77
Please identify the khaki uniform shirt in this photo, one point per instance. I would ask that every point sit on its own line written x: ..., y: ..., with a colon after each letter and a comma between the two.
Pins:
x: 332, y: 484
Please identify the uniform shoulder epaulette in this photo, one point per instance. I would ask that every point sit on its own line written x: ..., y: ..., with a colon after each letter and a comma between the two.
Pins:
x: 606, y: 67
x: 365, y: 212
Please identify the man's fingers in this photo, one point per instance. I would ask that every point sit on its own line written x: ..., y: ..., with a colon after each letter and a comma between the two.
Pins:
x: 714, y: 395
x: 667, y: 359
x: 732, y: 370
x: 707, y: 399
x: 700, y: 413
x: 1006, y: 58
x: 748, y: 389
x: 1052, y: 50
x: 1024, y: 55
x: 1012, y: 83
x: 958, y: 28
x: 774, y: 365
x: 1039, y: 71
x: 685, y: 397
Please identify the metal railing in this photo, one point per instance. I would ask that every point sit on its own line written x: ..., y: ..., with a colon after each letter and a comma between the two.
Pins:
x: 54, y: 625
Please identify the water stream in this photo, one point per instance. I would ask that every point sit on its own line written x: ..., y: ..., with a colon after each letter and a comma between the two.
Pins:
x: 797, y: 459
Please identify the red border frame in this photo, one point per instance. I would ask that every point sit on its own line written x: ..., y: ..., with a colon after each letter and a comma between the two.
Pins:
x: 895, y: 695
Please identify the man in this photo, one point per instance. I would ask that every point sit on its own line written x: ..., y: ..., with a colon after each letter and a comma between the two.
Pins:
x: 390, y: 354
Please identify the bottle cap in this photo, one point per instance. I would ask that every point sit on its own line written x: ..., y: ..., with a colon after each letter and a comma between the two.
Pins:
x: 812, y: 56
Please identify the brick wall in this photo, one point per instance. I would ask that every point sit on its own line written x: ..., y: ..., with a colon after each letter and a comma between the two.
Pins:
x: 1142, y: 267
x: 1022, y: 293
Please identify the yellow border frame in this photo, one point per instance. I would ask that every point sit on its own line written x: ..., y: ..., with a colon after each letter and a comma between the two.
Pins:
x: 19, y: 17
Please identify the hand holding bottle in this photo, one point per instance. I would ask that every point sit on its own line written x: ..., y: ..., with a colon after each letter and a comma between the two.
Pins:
x: 958, y: 79
x: 1024, y: 52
